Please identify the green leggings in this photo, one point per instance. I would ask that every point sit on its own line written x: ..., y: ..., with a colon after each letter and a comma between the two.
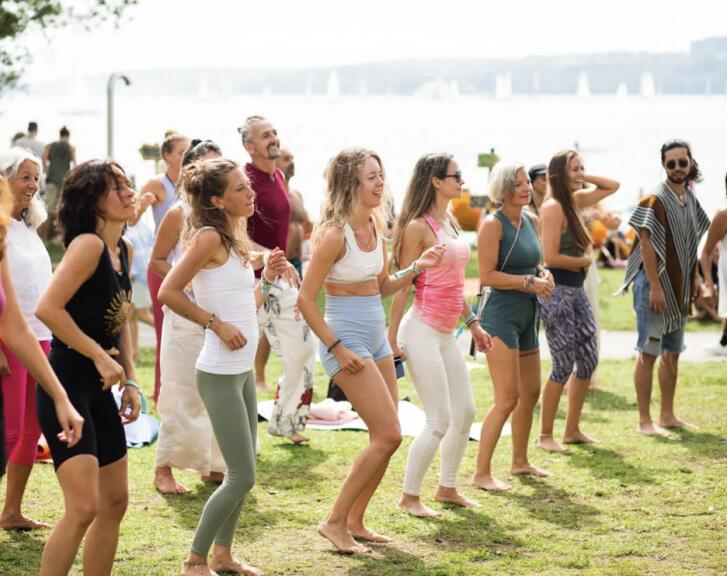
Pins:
x: 231, y: 403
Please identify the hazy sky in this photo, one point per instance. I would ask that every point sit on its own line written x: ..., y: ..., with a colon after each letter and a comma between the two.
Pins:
x: 177, y: 33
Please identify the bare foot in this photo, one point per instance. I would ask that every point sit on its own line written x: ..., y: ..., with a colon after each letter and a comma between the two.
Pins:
x: 528, y: 470
x: 413, y: 505
x: 20, y: 522
x: 262, y: 386
x: 196, y: 568
x: 676, y: 424
x: 490, y: 483
x: 447, y: 495
x: 363, y: 533
x: 650, y: 429
x: 579, y: 437
x: 166, y: 484
x: 296, y: 438
x: 341, y: 538
x: 214, y: 478
x: 234, y: 566
x: 550, y: 444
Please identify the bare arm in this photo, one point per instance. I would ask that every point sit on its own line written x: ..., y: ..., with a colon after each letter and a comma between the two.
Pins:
x: 19, y: 338
x: 595, y: 189
x: 657, y: 300
x: 552, y: 219
x: 130, y: 396
x: 717, y: 230
x: 73, y: 155
x: 46, y: 157
x: 78, y: 265
x: 167, y: 237
x: 153, y: 187
x: 429, y: 258
x: 417, y: 237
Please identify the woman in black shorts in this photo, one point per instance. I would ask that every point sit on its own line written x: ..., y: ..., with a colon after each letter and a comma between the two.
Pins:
x: 85, y: 306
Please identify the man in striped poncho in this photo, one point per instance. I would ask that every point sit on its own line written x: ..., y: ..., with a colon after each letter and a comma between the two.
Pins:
x: 663, y: 270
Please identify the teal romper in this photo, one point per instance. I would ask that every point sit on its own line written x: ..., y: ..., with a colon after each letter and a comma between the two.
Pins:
x: 512, y: 315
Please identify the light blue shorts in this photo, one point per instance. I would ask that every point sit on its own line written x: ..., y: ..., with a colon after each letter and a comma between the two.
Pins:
x: 360, y: 323
x: 649, y: 325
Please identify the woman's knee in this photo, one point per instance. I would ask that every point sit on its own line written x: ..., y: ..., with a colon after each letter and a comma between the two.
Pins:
x: 81, y: 512
x: 114, y: 506
x: 388, y: 442
x: 506, y: 403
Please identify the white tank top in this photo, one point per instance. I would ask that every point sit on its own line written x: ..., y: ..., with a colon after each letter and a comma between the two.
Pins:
x: 228, y: 291
x: 356, y: 265
x: 722, y: 275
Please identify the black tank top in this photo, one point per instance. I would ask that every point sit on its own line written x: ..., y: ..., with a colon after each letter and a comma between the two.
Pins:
x: 100, y: 306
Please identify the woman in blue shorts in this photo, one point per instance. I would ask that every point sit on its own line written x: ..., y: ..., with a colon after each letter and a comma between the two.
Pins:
x: 349, y: 260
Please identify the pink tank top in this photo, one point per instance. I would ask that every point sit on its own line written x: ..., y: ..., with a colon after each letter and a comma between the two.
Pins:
x: 440, y: 290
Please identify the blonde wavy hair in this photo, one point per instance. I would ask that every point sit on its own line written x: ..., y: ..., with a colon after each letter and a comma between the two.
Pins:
x: 342, y: 195
x: 200, y: 181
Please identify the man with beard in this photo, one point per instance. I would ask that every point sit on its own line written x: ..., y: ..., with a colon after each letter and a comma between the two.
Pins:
x: 279, y: 318
x: 663, y: 269
x: 300, y: 223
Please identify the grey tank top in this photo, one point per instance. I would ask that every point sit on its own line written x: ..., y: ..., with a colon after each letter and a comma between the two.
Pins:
x: 568, y: 244
x: 59, y: 162
x: 526, y: 252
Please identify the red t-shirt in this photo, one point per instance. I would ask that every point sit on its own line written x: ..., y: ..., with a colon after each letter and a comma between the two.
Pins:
x: 268, y: 226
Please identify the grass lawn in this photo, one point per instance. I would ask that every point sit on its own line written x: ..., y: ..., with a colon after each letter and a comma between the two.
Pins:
x: 630, y: 506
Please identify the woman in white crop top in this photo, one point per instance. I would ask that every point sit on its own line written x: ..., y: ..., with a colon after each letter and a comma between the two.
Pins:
x: 218, y: 263
x: 349, y: 260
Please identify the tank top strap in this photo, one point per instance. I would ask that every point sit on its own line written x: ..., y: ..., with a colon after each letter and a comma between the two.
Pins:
x: 436, y: 226
x: 169, y: 186
x: 350, y: 239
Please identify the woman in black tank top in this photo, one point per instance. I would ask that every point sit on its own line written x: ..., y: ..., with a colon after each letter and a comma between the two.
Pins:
x: 85, y: 306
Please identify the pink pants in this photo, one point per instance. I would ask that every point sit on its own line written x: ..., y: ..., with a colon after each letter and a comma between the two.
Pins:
x: 21, y: 419
x: 155, y: 283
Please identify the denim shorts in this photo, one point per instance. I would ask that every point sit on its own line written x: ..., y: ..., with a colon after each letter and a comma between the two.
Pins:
x: 649, y: 324
x: 513, y: 317
x: 360, y: 323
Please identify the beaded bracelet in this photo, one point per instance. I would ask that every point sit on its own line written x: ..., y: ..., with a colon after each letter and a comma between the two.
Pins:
x: 209, y: 322
x: 470, y: 319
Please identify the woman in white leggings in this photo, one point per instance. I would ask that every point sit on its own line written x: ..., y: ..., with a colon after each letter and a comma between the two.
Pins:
x: 436, y: 364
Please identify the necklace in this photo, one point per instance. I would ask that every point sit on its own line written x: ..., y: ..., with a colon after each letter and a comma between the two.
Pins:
x: 367, y: 244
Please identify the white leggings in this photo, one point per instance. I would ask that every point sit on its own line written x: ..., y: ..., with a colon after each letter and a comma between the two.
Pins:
x: 442, y: 381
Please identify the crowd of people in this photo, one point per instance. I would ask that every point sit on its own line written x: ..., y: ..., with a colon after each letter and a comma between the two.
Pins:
x: 226, y: 284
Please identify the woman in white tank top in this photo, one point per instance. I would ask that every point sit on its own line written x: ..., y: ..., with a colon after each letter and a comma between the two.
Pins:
x: 218, y: 263
x: 186, y: 440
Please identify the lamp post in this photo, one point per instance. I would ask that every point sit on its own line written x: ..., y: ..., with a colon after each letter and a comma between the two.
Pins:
x: 110, y: 109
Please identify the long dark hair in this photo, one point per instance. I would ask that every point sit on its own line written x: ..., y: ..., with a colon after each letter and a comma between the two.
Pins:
x: 420, y: 194
x: 695, y: 174
x: 558, y: 185
x: 82, y: 191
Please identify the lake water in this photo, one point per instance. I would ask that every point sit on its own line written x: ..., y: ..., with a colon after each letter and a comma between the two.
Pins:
x: 619, y: 136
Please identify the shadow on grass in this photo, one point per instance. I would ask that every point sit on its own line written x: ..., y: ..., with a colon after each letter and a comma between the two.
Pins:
x: 605, y: 400
x: 469, y: 528
x: 553, y: 505
x: 289, y: 467
x: 606, y: 463
x: 22, y: 551
x: 703, y: 443
x: 390, y: 561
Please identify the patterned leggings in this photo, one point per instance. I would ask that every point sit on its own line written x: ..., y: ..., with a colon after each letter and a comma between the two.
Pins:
x: 571, y: 332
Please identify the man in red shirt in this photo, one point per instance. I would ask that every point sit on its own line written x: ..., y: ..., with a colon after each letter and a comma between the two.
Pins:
x: 279, y: 318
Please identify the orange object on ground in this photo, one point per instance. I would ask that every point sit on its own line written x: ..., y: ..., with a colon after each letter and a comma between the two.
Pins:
x: 467, y: 217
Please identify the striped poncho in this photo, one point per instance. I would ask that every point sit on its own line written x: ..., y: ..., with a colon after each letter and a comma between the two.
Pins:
x: 675, y: 233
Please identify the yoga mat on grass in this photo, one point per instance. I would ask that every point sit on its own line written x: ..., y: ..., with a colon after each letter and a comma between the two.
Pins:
x: 411, y: 418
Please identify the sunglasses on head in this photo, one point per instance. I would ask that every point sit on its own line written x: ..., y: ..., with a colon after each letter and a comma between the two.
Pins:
x: 457, y: 176
x: 671, y: 164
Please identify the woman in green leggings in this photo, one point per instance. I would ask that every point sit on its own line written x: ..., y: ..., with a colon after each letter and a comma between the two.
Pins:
x: 218, y: 263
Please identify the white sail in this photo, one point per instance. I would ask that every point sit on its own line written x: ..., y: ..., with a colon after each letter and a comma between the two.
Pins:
x: 584, y: 86
x: 648, y: 87
x: 333, y: 88
x: 622, y: 91
x: 503, y: 86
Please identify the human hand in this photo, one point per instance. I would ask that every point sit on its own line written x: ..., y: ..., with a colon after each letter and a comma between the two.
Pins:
x: 130, y: 405
x: 70, y: 420
x: 347, y: 359
x: 395, y: 348
x: 708, y: 294
x: 146, y: 200
x: 231, y: 335
x: 657, y: 300
x: 110, y: 370
x: 431, y: 257
x: 542, y: 287
x: 482, y: 340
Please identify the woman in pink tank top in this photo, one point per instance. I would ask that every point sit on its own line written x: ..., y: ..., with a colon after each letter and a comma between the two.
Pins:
x: 436, y: 364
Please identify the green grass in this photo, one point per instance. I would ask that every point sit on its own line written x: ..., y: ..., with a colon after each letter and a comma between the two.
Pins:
x: 629, y: 506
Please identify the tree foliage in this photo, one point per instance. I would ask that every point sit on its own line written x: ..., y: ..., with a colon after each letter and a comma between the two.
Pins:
x: 18, y: 18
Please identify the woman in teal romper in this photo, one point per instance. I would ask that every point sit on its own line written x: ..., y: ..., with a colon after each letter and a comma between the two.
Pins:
x: 509, y: 255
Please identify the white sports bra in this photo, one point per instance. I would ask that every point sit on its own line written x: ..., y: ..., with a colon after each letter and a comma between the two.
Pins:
x: 356, y: 265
